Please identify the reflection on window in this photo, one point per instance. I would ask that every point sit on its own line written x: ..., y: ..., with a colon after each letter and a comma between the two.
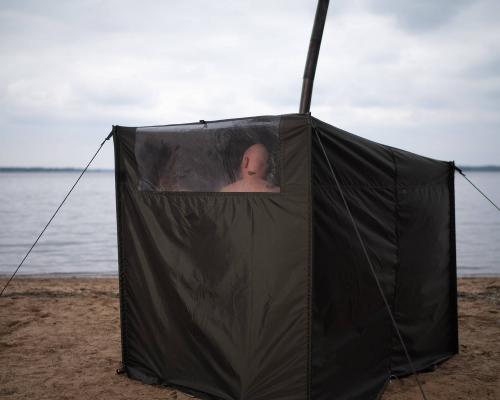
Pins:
x: 228, y: 156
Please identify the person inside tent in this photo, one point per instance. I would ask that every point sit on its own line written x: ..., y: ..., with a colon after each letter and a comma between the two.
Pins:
x: 253, y: 172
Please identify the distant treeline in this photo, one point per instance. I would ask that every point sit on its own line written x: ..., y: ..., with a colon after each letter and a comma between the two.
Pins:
x: 493, y: 168
x: 41, y: 169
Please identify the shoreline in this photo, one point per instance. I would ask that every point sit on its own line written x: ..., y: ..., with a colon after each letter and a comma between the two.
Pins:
x: 60, y: 338
x: 62, y: 275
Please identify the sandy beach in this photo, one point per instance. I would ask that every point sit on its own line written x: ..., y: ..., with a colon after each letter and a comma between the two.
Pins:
x: 60, y: 339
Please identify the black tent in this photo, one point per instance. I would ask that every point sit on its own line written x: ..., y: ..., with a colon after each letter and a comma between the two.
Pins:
x: 241, y: 274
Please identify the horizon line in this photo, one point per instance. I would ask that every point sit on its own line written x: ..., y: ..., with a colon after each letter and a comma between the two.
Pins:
x: 480, y: 167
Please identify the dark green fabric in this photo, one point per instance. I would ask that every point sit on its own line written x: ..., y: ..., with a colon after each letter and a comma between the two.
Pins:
x: 267, y: 296
x: 403, y: 206
x: 215, y: 285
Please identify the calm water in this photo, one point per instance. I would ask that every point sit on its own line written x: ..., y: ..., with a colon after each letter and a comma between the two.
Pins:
x: 82, y: 238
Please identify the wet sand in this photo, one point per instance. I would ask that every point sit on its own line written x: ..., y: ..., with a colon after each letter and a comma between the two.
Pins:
x: 60, y: 339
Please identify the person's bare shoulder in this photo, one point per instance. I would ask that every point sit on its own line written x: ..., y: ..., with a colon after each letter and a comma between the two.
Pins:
x: 233, y: 187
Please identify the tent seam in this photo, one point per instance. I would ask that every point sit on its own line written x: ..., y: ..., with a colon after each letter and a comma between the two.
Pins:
x: 121, y: 266
x: 282, y: 159
x: 310, y: 261
x: 453, y: 255
x: 398, y: 258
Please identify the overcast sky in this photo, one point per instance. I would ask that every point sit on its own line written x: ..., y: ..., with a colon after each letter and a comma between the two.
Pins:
x: 420, y: 75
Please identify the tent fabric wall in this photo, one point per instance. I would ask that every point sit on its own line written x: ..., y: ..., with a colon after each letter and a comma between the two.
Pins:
x: 215, y: 286
x: 266, y: 296
x: 403, y: 206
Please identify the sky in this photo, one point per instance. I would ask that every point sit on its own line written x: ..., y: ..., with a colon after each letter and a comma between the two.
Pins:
x: 422, y: 75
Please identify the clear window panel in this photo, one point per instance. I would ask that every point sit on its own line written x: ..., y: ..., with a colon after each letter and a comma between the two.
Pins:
x: 226, y: 156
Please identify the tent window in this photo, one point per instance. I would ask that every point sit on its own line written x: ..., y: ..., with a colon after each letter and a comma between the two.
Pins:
x: 227, y: 156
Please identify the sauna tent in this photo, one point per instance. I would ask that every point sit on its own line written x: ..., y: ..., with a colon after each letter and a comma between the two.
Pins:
x: 241, y: 275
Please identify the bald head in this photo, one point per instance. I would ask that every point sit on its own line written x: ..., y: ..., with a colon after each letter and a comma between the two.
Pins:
x: 253, y: 172
x: 255, y: 162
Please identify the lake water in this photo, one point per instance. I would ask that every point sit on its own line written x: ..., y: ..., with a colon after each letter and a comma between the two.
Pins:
x: 82, y: 237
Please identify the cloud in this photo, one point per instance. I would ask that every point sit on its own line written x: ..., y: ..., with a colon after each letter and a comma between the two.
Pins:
x: 416, y: 75
x: 419, y: 16
x: 489, y: 68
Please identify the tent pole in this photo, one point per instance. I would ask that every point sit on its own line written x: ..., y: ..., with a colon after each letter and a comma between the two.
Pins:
x: 312, y: 56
